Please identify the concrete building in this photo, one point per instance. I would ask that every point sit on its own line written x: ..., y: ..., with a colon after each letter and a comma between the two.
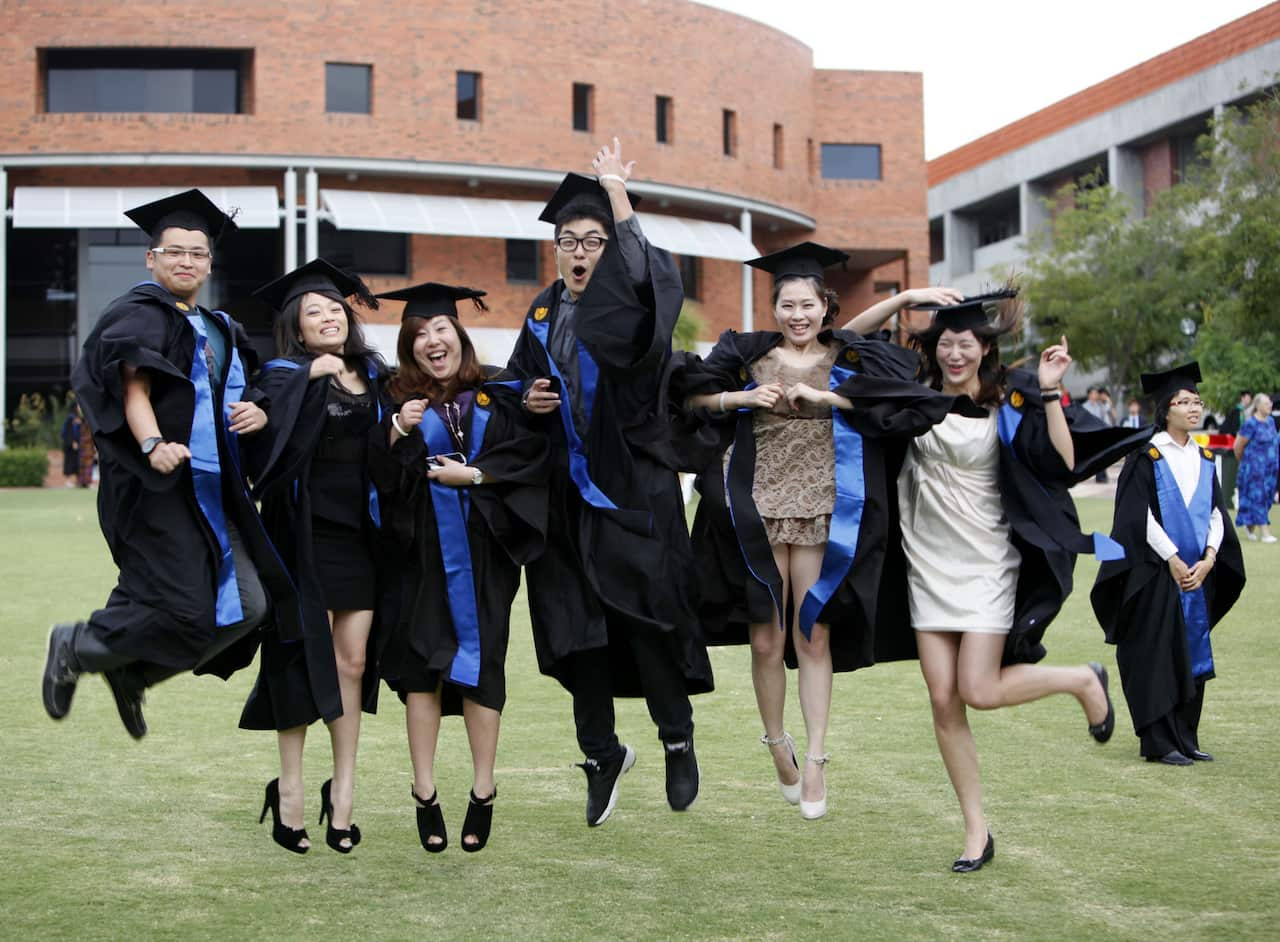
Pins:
x: 416, y: 140
x: 1137, y: 129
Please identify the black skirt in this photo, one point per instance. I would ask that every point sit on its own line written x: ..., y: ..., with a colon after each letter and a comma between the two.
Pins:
x: 344, y: 563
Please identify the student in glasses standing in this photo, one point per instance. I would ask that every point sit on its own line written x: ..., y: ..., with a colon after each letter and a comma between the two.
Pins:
x: 162, y: 384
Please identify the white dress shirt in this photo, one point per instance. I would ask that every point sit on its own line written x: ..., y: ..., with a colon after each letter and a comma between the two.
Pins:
x: 1184, y: 461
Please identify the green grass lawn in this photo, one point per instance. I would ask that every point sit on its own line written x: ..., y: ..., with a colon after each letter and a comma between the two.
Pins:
x: 105, y: 838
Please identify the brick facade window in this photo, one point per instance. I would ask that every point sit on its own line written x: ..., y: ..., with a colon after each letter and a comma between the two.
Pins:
x: 662, y: 119
x: 468, y: 96
x: 689, y: 271
x: 582, y: 95
x: 729, y: 132
x: 368, y: 253
x: 348, y: 88
x: 851, y: 161
x: 522, y: 260
x: 184, y: 81
x: 777, y: 147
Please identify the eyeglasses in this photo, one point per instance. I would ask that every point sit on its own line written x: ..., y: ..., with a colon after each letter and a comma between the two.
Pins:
x: 196, y: 255
x: 591, y: 243
x: 1187, y: 403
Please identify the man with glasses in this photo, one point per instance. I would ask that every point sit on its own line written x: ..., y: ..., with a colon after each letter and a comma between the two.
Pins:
x: 612, y: 599
x: 160, y: 383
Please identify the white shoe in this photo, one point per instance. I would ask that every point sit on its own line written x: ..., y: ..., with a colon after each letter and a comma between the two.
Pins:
x: 791, y: 793
x: 813, y: 810
x: 1269, y: 538
x: 1251, y: 536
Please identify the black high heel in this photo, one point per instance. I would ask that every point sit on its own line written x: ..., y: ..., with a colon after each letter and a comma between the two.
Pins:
x: 478, y: 821
x: 287, y: 837
x: 970, y: 864
x: 431, y: 822
x: 332, y: 836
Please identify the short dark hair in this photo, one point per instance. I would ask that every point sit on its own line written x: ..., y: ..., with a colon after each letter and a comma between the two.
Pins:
x: 584, y: 207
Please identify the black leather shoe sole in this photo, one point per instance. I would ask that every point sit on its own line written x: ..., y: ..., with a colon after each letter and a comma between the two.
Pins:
x: 128, y: 699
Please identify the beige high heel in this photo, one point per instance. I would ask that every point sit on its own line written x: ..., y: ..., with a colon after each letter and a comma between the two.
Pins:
x: 790, y: 792
x: 813, y: 810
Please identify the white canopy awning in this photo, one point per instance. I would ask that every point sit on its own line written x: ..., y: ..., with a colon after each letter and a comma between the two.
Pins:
x: 102, y: 207
x: 514, y: 219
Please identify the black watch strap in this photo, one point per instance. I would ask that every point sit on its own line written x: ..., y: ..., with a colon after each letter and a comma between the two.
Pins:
x: 149, y: 444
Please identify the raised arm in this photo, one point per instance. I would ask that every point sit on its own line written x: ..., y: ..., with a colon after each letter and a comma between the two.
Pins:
x: 1054, y: 362
x: 874, y: 317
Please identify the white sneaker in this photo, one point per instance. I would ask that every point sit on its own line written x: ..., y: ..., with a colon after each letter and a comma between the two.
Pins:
x: 1269, y: 538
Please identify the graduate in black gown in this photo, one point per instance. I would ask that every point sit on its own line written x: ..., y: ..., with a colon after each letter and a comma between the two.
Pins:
x: 613, y: 598
x: 161, y: 382
x: 325, y: 392
x: 804, y: 527
x: 465, y: 484
x: 1181, y: 574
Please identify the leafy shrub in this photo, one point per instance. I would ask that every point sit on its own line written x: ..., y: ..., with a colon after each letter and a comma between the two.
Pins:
x: 23, y: 467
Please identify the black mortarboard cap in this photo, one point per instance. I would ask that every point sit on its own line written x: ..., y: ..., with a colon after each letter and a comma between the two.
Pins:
x: 190, y: 209
x: 808, y: 259
x: 578, y: 189
x: 1161, y: 386
x: 431, y: 299
x: 316, y: 276
x: 975, y: 311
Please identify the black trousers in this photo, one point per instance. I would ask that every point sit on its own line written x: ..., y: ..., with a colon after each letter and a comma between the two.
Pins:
x: 1176, y: 731
x: 664, y: 694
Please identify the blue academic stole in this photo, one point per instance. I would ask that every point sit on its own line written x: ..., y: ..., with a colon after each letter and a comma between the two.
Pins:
x: 452, y: 508
x: 375, y: 514
x: 206, y: 465
x: 1188, y: 527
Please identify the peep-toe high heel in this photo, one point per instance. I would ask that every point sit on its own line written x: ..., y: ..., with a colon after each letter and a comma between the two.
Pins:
x: 430, y: 822
x: 332, y: 836
x: 478, y: 821
x: 289, y: 838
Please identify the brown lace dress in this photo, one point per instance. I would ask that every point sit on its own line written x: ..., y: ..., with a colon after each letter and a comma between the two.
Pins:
x: 794, y: 488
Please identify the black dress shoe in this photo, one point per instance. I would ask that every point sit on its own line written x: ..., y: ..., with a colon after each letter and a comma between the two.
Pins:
x: 602, y: 784
x: 1102, y: 731
x: 966, y: 865
x: 683, y: 775
x: 1171, y: 758
x: 58, y: 685
x: 127, y: 691
x: 1200, y: 756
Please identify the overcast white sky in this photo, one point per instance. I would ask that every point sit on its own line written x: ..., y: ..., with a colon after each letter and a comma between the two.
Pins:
x: 989, y: 62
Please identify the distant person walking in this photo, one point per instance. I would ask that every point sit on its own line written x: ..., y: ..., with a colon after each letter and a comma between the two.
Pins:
x: 1257, y: 450
x: 1098, y: 405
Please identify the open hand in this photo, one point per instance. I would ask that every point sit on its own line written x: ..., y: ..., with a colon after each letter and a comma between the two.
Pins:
x: 245, y: 418
x: 609, y: 162
x: 1054, y: 362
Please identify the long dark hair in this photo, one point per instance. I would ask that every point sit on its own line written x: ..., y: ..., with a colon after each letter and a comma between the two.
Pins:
x: 288, y: 335
x: 991, y: 373
x: 411, y: 382
x: 819, y: 288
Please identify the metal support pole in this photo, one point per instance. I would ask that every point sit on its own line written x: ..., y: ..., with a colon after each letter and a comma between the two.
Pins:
x: 290, y: 220
x: 4, y: 298
x: 313, y: 215
x: 747, y: 300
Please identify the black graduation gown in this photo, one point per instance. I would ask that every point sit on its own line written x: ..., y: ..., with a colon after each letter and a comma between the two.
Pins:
x: 1138, y: 604
x: 506, y: 528
x: 298, y: 681
x: 162, y: 609
x: 630, y: 567
x: 726, y: 544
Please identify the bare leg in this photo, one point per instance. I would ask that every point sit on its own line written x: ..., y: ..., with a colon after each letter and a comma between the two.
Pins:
x: 482, y: 733
x: 350, y: 637
x: 422, y: 719
x: 813, y: 656
x: 939, y: 655
x: 984, y: 685
x: 769, y: 677
x: 292, y: 797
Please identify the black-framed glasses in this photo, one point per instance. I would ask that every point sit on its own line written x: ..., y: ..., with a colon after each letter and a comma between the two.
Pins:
x: 1188, y: 403
x: 592, y: 243
x: 196, y: 255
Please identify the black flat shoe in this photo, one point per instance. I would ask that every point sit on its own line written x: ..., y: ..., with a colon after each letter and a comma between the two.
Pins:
x: 58, y: 684
x: 332, y: 836
x: 965, y: 865
x: 1102, y: 731
x: 1171, y: 758
x: 431, y: 822
x: 1200, y: 756
x: 287, y: 837
x: 128, y: 694
x: 478, y: 821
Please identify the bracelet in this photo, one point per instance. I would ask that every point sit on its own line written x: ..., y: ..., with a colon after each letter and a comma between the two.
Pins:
x: 611, y: 176
x: 1051, y: 397
x: 395, y: 420
x: 722, y: 404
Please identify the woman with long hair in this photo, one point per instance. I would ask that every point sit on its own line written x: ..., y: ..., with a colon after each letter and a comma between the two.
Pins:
x: 466, y: 501
x: 324, y: 393
x: 1256, y: 449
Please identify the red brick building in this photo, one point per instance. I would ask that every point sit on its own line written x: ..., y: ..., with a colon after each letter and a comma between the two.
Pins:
x: 414, y: 140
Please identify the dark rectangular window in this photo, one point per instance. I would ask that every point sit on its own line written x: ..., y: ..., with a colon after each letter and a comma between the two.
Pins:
x: 364, y: 252
x: 937, y: 240
x: 522, y: 260
x: 582, y: 106
x: 348, y: 88
x: 662, y: 119
x: 469, y: 96
x: 777, y: 147
x: 729, y: 132
x: 689, y: 276
x: 886, y: 287
x: 851, y: 161
x: 188, y: 81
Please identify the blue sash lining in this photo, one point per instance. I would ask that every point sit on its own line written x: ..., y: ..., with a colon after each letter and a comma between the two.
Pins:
x: 1188, y: 527
x: 452, y: 507
x: 745, y: 428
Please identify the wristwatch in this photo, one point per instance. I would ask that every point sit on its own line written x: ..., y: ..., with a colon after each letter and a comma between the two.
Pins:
x: 149, y: 444
x: 477, y: 477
